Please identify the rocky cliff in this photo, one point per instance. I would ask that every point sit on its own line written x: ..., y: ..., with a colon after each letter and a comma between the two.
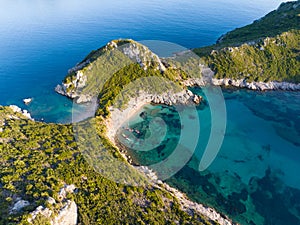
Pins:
x: 84, y: 81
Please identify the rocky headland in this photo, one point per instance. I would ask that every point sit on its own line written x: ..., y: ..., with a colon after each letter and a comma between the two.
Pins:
x: 238, y: 60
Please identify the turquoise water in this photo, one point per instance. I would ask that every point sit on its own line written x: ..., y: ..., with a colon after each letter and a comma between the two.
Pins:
x: 254, y: 178
x: 41, y: 40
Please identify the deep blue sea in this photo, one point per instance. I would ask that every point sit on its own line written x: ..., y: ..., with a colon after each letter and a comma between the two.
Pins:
x: 254, y: 178
x: 41, y: 40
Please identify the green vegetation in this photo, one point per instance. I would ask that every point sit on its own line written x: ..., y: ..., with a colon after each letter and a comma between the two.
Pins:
x: 131, y: 79
x: 285, y: 18
x: 95, y: 54
x: 38, y: 158
x: 266, y: 50
x: 108, y: 70
x: 271, y: 59
x: 98, y: 70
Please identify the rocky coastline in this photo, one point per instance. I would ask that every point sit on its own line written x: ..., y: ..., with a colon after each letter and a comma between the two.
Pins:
x: 79, y: 98
x: 73, y: 89
x: 242, y: 83
x: 187, y: 205
x: 118, y: 117
x: 24, y: 112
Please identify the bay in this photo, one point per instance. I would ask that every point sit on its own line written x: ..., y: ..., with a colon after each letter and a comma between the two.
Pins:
x: 254, y: 178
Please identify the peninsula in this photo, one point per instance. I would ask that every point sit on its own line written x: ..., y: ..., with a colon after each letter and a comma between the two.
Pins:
x: 44, y: 176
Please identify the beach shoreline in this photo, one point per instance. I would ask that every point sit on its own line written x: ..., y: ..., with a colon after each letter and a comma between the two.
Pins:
x: 115, y: 121
x: 118, y: 116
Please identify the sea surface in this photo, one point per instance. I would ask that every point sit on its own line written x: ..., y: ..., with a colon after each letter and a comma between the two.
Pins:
x: 254, y: 178
x: 41, y: 40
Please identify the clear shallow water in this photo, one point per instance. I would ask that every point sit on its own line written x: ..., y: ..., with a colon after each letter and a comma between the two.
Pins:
x: 254, y: 178
x: 41, y: 40
x: 257, y: 166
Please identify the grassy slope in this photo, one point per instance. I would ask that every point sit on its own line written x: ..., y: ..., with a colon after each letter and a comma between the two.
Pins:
x: 278, y: 61
x: 38, y: 158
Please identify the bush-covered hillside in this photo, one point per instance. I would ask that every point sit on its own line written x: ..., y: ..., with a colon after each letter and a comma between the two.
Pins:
x: 266, y: 50
x: 37, y: 159
x: 283, y: 19
x: 271, y: 59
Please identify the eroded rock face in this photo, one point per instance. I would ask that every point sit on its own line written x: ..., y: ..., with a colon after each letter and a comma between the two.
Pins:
x: 260, y: 86
x: 142, y: 55
x: 20, y: 204
x: 242, y: 83
x: 67, y: 213
x: 19, y: 110
x: 136, y: 52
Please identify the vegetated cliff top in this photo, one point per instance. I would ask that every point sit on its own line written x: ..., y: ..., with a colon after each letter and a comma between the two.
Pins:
x: 38, y: 158
x: 262, y: 60
x: 270, y: 59
x: 266, y: 50
x: 285, y: 18
x: 108, y: 70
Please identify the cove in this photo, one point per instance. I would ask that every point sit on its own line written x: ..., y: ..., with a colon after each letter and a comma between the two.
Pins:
x: 253, y: 179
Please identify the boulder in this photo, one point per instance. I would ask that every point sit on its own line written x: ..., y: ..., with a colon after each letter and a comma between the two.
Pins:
x: 20, y: 204
x: 197, y: 99
x: 67, y: 215
x: 27, y: 101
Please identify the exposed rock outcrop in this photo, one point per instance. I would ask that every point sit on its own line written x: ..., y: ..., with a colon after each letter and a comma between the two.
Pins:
x: 77, y: 83
x: 77, y: 79
x: 67, y: 213
x: 187, y: 205
x: 20, y: 204
x: 193, y: 207
x: 142, y: 55
x: 27, y: 101
x: 260, y: 86
x: 24, y: 112
x: 242, y: 83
